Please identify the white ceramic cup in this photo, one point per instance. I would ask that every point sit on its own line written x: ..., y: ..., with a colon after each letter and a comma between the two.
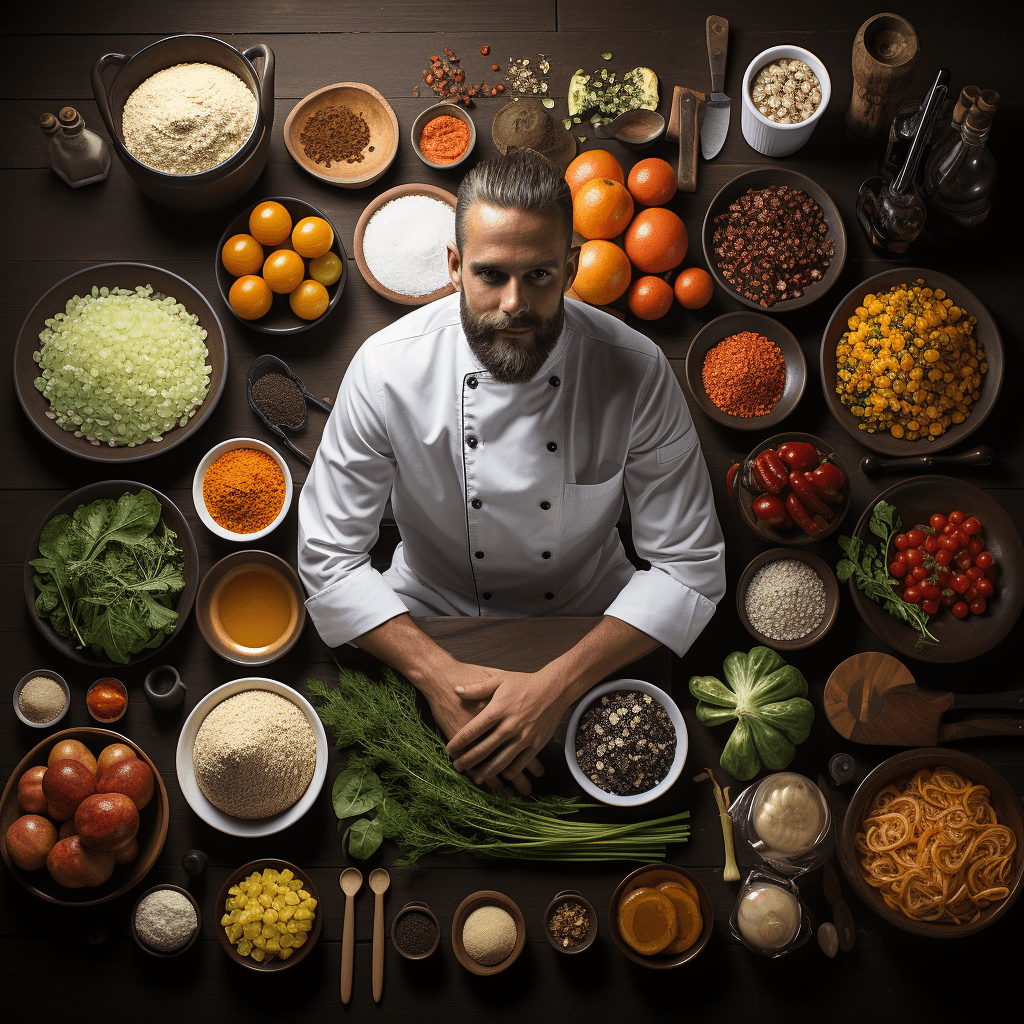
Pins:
x: 766, y: 136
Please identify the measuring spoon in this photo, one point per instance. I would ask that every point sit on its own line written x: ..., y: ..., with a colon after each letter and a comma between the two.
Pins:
x: 351, y: 881
x: 379, y: 882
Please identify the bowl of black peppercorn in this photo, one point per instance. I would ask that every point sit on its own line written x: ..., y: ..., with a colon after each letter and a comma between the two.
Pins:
x: 415, y: 931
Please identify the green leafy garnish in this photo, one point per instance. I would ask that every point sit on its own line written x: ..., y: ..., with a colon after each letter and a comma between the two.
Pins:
x: 400, y: 784
x: 869, y: 565
x: 107, y: 574
x: 606, y: 55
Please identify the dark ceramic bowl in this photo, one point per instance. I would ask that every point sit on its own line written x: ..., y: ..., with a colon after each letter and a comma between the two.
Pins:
x: 760, y: 178
x: 415, y: 907
x: 115, y: 275
x: 1008, y: 812
x: 985, y: 331
x: 736, y: 323
x: 915, y: 500
x: 141, y: 943
x: 280, y: 319
x: 571, y: 896
x: 172, y: 517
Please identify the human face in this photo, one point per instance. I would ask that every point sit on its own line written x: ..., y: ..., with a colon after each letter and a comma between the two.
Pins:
x: 512, y: 273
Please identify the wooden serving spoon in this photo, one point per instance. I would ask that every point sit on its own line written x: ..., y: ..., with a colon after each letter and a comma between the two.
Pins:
x: 351, y: 881
x: 379, y: 882
x: 638, y: 127
x: 873, y: 698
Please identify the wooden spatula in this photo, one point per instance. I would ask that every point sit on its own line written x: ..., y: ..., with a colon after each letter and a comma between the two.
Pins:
x: 873, y: 698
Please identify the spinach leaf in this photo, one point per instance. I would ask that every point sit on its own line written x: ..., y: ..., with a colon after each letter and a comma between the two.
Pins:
x: 363, y: 838
x: 356, y: 791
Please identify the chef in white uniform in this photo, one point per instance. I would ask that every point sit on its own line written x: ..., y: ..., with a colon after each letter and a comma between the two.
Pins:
x: 507, y: 425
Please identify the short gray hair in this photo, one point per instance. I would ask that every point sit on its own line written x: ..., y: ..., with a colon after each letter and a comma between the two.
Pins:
x: 521, y: 180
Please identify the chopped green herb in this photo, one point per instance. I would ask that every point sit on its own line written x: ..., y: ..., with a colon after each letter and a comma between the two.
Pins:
x: 606, y: 56
x: 549, y: 103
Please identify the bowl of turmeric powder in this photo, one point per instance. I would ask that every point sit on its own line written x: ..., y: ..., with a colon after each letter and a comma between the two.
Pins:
x: 242, y: 489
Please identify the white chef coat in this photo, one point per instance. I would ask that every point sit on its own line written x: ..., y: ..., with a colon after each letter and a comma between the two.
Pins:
x: 507, y: 495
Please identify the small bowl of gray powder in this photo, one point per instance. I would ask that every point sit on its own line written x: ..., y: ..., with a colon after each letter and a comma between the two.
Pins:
x: 166, y: 921
x: 787, y: 598
x: 41, y: 698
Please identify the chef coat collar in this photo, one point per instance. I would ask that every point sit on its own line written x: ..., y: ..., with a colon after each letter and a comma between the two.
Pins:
x: 555, y: 356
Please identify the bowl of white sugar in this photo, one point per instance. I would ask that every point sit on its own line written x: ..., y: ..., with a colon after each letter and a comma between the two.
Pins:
x: 401, y: 243
x: 252, y: 757
x: 166, y: 921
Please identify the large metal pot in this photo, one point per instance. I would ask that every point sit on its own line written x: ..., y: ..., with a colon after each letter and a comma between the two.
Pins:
x: 223, y: 184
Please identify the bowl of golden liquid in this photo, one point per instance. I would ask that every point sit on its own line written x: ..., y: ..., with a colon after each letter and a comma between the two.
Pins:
x: 250, y: 607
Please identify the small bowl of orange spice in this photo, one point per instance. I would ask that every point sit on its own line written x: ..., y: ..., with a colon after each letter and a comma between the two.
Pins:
x: 242, y: 489
x: 660, y: 916
x: 443, y: 135
x: 107, y: 699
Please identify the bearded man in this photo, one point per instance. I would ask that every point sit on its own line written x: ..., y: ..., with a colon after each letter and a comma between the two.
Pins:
x: 507, y: 426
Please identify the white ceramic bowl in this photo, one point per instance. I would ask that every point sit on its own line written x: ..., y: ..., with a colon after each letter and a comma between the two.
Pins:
x: 59, y: 680
x: 245, y: 827
x: 208, y: 460
x: 766, y: 136
x: 682, y: 743
x: 442, y: 110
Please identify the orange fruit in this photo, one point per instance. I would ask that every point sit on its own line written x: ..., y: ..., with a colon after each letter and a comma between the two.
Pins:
x: 694, y: 287
x: 595, y: 163
x: 656, y: 240
x: 284, y: 271
x: 250, y: 297
x: 326, y: 269
x: 652, y: 182
x: 241, y: 255
x: 650, y: 297
x: 602, y: 209
x: 270, y: 223
x: 603, y: 273
x: 309, y: 300
x: 312, y: 237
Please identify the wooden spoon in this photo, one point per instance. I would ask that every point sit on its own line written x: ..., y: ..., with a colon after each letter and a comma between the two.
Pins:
x: 379, y: 882
x: 638, y: 127
x: 873, y: 698
x: 351, y: 881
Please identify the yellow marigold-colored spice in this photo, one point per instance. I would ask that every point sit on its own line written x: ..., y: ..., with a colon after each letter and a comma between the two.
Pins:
x: 244, y: 490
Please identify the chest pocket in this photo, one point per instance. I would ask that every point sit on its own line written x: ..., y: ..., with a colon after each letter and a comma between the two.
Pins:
x: 586, y: 506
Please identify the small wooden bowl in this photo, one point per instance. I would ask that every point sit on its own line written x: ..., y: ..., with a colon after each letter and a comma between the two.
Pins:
x: 1008, y: 812
x: 442, y: 110
x: 380, y: 119
x: 485, y: 898
x: 399, y: 192
x: 653, y: 875
x: 195, y: 935
x: 736, y: 323
x: 154, y: 819
x: 49, y: 674
x: 822, y: 571
x: 275, y: 963
x: 571, y: 896
x: 421, y: 908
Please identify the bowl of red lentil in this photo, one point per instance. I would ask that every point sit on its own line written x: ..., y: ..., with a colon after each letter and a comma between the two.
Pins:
x: 746, y: 371
x: 774, y: 240
x: 443, y: 135
x: 242, y: 489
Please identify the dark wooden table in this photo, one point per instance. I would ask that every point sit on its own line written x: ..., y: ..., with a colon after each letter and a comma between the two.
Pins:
x: 52, y: 231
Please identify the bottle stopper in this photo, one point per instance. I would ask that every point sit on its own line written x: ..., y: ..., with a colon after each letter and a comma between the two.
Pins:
x: 194, y: 862
x: 842, y: 768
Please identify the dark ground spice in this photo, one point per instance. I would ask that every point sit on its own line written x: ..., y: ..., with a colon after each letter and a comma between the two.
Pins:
x: 744, y: 374
x: 625, y: 742
x: 415, y: 933
x: 280, y: 399
x: 333, y: 134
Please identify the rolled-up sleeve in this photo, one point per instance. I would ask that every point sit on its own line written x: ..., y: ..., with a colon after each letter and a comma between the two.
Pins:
x: 340, y: 509
x: 674, y: 524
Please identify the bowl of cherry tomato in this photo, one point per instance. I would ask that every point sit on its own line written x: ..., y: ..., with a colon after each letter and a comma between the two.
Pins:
x: 280, y: 266
x: 957, y: 556
x: 791, y: 489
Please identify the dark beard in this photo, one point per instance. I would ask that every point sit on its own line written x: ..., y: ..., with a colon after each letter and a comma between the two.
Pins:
x: 510, y: 361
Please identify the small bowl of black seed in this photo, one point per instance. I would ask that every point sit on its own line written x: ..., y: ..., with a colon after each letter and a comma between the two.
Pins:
x: 626, y: 742
x: 415, y: 931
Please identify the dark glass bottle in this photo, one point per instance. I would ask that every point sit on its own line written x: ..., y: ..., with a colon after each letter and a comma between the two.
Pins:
x: 905, y: 124
x: 960, y: 177
x: 79, y: 156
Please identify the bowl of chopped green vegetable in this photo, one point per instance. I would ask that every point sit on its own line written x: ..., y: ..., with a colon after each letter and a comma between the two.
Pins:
x: 135, y: 576
x: 181, y: 381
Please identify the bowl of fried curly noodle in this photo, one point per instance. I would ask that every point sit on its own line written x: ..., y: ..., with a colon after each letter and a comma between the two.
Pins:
x: 932, y: 841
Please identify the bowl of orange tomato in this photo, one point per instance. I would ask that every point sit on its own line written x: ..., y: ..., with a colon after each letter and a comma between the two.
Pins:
x: 281, y: 266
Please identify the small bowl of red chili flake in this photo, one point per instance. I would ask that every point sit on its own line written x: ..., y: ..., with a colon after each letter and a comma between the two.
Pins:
x: 774, y: 239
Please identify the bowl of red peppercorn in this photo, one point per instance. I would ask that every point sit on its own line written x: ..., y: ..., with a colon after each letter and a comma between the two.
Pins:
x: 443, y: 135
x: 746, y: 371
x: 792, y: 489
x: 774, y: 239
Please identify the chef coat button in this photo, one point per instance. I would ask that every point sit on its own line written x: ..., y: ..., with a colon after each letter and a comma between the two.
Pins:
x: 554, y: 382
x: 472, y: 382
x: 479, y: 554
x: 477, y: 503
x: 545, y: 554
x: 472, y: 441
x: 545, y: 505
x: 486, y: 595
x: 549, y: 597
x: 552, y: 447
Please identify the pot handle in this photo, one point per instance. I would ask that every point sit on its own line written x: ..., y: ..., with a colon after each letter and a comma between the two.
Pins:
x: 266, y: 75
x: 99, y: 90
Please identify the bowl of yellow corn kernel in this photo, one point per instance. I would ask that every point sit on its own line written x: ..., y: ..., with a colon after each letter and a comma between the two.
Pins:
x: 267, y: 915
x: 911, y: 362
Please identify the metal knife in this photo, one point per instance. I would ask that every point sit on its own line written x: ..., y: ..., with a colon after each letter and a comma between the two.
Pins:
x: 716, y: 114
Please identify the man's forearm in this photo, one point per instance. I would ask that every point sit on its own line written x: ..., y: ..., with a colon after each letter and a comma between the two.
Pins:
x: 400, y: 643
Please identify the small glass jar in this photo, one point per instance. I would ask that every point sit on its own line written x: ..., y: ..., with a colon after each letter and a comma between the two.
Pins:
x: 769, y: 917
x: 107, y: 700
x: 786, y: 822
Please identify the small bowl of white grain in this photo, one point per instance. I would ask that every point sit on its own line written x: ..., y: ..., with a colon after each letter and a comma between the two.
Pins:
x: 41, y: 698
x: 166, y: 921
x: 787, y: 598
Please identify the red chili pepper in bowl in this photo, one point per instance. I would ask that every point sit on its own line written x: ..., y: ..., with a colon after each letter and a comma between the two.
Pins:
x: 798, y: 513
x: 772, y: 471
x: 772, y: 512
x: 805, y: 492
x: 827, y: 479
x: 800, y: 455
x: 730, y: 480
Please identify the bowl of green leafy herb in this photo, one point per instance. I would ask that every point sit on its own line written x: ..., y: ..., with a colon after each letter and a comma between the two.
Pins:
x: 111, y: 573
